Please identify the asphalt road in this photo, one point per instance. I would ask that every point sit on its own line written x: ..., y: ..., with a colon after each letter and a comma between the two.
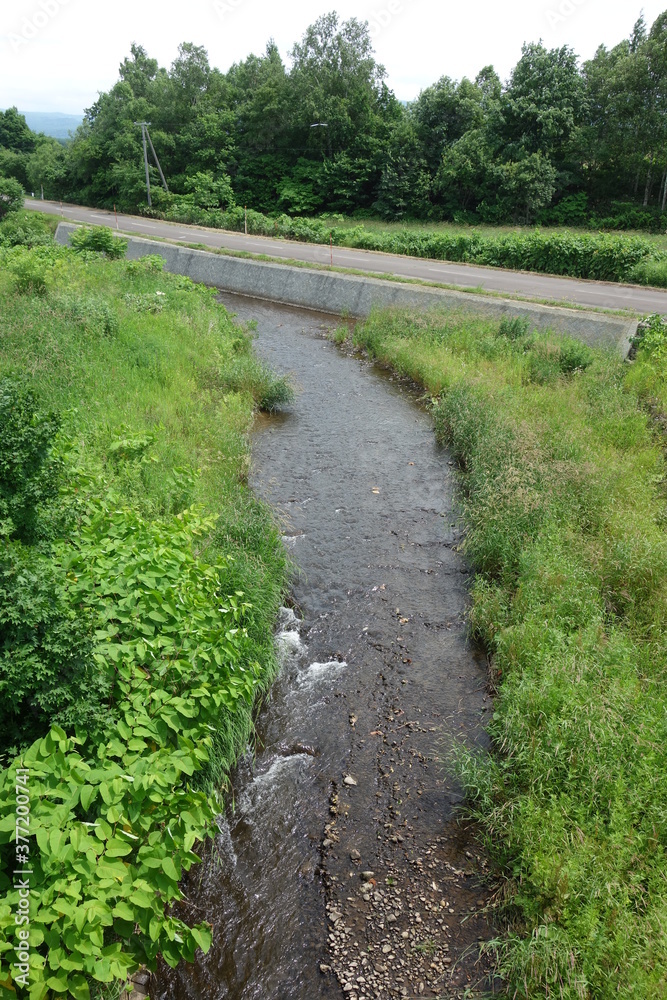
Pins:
x: 599, y: 294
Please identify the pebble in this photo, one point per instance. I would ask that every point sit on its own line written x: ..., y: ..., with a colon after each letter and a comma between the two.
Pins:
x: 349, y: 780
x: 355, y: 856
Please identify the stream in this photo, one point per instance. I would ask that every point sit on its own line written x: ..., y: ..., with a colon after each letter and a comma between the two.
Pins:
x: 339, y: 868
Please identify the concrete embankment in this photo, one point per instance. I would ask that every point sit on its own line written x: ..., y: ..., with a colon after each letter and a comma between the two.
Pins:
x: 347, y: 294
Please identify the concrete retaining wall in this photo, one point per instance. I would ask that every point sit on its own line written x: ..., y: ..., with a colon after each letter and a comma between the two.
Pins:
x: 329, y: 292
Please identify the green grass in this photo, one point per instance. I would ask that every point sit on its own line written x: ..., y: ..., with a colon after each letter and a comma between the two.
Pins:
x: 650, y: 272
x: 562, y: 492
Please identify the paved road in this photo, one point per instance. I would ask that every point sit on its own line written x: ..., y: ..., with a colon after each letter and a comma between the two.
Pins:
x: 600, y: 294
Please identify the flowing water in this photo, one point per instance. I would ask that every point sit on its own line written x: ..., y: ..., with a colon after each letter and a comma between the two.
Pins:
x: 377, y: 679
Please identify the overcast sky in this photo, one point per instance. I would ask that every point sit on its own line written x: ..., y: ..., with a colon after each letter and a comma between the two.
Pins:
x: 56, y: 55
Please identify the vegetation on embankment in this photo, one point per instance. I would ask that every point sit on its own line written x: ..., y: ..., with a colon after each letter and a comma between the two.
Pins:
x: 139, y: 581
x: 576, y: 254
x: 562, y: 492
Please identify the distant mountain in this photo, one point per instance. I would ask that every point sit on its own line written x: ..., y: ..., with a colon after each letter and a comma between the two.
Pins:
x: 52, y: 123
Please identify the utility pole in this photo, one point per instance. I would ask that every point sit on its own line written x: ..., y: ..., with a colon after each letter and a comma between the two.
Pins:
x: 146, y: 134
x: 148, y: 179
x: 157, y: 162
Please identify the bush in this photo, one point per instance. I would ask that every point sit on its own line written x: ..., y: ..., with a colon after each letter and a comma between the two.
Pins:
x: 47, y: 672
x: 248, y: 374
x: 29, y: 471
x: 24, y: 229
x: 11, y: 196
x: 98, y: 239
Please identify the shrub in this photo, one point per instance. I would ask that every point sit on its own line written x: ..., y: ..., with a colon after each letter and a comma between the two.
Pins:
x: 513, y: 327
x: 29, y: 470
x: 47, y: 673
x: 11, y: 196
x: 98, y: 239
x: 24, y: 229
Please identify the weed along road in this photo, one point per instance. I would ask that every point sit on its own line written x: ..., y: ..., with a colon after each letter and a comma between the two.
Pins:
x: 597, y: 294
x: 340, y: 865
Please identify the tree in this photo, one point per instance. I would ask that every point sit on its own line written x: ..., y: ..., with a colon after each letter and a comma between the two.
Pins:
x: 139, y: 72
x: 542, y: 107
x: 526, y: 186
x: 46, y: 168
x: 15, y: 133
x: 405, y: 183
x: 211, y: 191
x: 443, y: 113
x: 460, y: 184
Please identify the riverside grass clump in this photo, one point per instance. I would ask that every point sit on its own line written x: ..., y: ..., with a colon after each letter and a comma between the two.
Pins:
x: 601, y: 256
x: 562, y: 489
x: 139, y: 582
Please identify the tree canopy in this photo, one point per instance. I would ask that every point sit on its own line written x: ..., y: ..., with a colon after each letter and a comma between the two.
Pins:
x: 558, y: 141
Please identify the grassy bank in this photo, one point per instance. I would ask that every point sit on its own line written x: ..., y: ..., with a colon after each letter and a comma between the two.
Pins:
x: 139, y: 581
x: 562, y: 491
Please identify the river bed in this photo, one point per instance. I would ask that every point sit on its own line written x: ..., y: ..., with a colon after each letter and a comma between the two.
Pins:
x: 339, y: 868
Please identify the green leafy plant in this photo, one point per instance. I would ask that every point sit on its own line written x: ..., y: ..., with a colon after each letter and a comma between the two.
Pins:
x: 98, y: 239
x: 110, y: 855
x: 11, y: 196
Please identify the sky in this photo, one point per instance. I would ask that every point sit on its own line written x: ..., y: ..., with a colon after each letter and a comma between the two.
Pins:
x: 57, y: 55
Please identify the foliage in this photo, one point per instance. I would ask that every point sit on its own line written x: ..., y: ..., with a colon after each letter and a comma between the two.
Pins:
x: 11, y: 196
x: 139, y: 628
x: 562, y: 142
x: 249, y: 374
x: 650, y: 272
x: 29, y: 470
x: 98, y: 239
x: 606, y: 257
x: 562, y: 491
x: 25, y: 228
x: 47, y: 672
x: 648, y: 374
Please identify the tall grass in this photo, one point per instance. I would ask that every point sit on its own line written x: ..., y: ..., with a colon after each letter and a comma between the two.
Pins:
x: 562, y: 491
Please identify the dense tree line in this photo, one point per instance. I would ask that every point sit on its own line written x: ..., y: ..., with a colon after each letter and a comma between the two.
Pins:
x: 558, y: 142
